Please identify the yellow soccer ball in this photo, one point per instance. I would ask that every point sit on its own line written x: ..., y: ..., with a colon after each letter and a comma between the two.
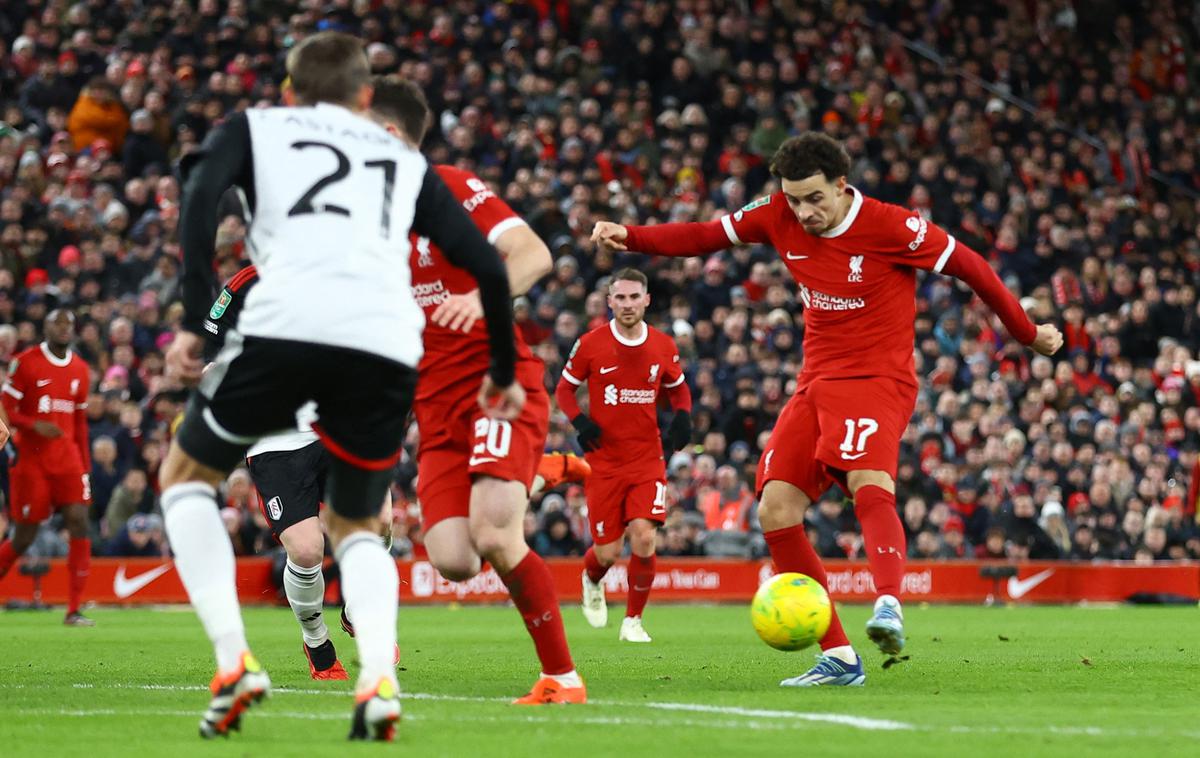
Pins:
x: 790, y: 611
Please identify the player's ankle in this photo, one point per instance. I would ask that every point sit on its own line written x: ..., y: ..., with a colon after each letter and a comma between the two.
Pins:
x: 569, y: 679
x: 844, y: 653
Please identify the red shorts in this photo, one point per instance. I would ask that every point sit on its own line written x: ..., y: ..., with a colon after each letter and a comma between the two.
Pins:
x: 34, y: 494
x: 459, y: 443
x: 834, y: 426
x: 614, y: 501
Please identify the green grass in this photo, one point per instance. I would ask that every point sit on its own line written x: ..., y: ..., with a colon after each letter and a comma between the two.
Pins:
x: 983, y: 681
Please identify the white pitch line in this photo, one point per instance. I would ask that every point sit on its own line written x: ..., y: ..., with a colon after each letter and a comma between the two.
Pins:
x: 768, y: 719
x: 858, y: 722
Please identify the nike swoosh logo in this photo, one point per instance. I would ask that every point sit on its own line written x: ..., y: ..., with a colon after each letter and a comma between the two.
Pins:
x: 476, y: 461
x: 124, y: 587
x: 608, y: 370
x: 855, y: 457
x: 43, y: 382
x: 793, y: 257
x: 1019, y: 588
x: 658, y: 511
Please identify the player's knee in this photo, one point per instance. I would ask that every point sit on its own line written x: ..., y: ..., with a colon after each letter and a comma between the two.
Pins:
x: 460, y: 568
x: 492, y: 543
x: 782, y: 505
x: 307, y: 553
x: 856, y: 480
x: 304, y: 542
x: 642, y: 535
x: 608, y: 553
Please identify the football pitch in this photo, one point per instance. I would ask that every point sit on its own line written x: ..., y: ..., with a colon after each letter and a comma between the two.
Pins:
x: 988, y: 681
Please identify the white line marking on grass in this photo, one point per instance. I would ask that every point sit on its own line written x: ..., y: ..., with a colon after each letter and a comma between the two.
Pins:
x: 858, y: 722
x: 763, y: 718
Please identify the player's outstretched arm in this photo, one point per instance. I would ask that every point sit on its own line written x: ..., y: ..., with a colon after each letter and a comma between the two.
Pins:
x: 675, y: 240
x: 967, y: 265
x: 441, y: 218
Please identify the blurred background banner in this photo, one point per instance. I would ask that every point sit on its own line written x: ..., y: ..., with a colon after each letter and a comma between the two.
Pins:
x: 142, y: 581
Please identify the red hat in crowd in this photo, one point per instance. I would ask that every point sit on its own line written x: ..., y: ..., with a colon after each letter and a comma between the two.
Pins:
x: 69, y: 256
x: 36, y: 277
x: 1077, y: 501
x: 66, y: 56
x: 135, y: 68
x: 954, y: 524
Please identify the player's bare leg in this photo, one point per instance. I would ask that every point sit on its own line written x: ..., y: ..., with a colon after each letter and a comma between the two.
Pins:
x: 874, y: 495
x: 451, y: 551
x: 79, y: 561
x: 304, y: 585
x: 205, y: 562
x: 497, y: 510
x: 642, y: 535
x: 781, y: 513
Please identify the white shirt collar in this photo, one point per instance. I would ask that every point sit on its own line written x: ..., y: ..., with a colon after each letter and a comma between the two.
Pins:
x: 54, y: 359
x: 629, y: 342
x: 855, y: 207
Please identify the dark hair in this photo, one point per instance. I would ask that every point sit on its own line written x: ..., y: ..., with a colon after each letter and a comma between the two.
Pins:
x: 631, y: 275
x: 403, y: 103
x: 328, y: 67
x: 808, y: 154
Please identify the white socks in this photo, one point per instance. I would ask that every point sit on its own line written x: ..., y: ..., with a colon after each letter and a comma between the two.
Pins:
x: 844, y: 653
x: 305, y: 589
x: 204, y: 560
x: 370, y: 586
x: 569, y: 679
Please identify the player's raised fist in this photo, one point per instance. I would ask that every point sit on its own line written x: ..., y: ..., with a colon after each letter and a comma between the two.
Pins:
x: 610, y: 235
x: 1049, y: 339
x: 502, y: 403
x: 183, y: 359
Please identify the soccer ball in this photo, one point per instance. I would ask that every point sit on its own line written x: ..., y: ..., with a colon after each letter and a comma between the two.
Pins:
x: 790, y: 611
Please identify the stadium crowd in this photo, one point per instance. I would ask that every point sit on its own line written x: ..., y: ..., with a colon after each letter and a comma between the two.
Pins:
x: 1073, y: 171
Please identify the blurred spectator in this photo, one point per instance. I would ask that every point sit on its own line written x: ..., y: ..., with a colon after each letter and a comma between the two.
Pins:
x: 98, y: 121
x: 555, y: 538
x: 133, y: 495
x: 141, y: 537
x: 105, y: 475
x: 727, y: 506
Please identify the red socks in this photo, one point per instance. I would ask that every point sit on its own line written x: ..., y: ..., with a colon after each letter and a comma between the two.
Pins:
x: 79, y: 563
x: 641, y: 579
x: 883, y: 534
x: 595, y: 570
x: 531, y: 586
x: 791, y: 551
x: 8, y: 557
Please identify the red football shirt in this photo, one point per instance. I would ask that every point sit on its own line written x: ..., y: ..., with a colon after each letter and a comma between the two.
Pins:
x: 624, y: 377
x: 857, y: 281
x: 43, y: 387
x: 453, y: 359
